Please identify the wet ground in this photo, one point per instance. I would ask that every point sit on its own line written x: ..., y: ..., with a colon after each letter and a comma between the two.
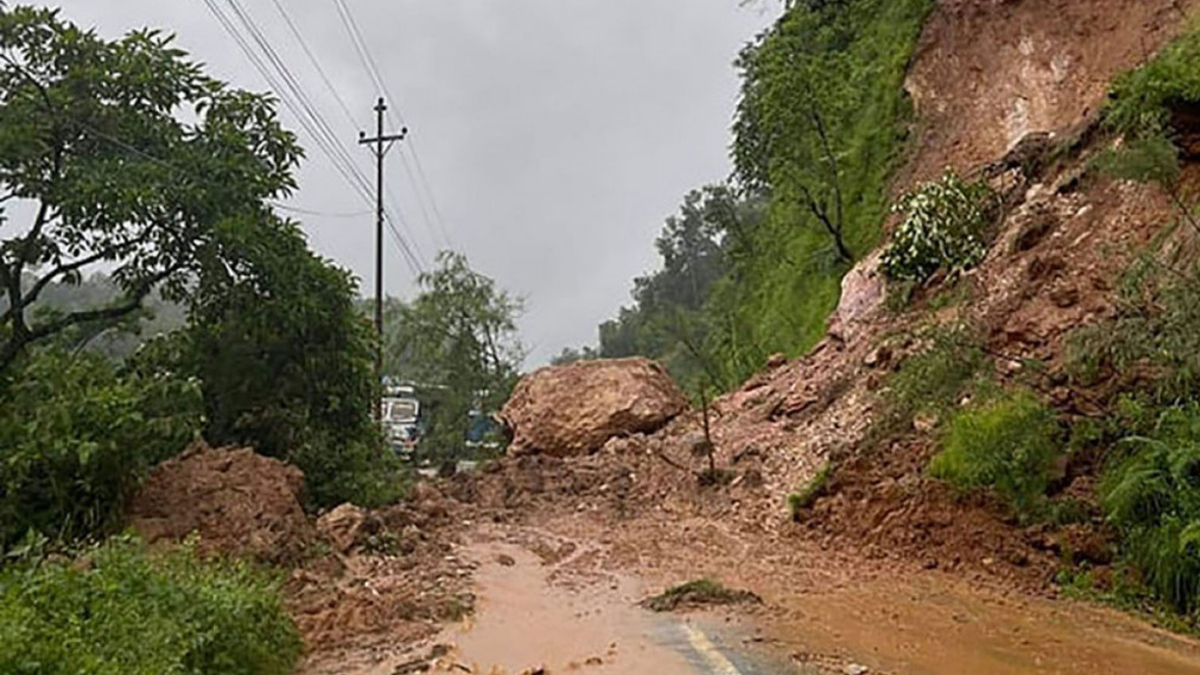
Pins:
x: 536, y: 615
x: 548, y: 602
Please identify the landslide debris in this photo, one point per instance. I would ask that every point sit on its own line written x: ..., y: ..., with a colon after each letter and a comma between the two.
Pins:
x: 570, y: 410
x: 237, y: 502
x: 698, y: 593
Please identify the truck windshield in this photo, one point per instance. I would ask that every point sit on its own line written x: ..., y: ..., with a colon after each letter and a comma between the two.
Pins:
x: 401, y: 410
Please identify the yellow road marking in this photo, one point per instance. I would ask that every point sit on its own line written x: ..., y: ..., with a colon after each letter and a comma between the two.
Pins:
x: 709, y: 652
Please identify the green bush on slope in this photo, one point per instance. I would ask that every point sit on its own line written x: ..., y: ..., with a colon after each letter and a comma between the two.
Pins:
x: 1008, y: 444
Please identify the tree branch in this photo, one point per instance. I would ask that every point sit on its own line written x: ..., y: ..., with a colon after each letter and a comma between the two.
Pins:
x: 17, y: 342
x: 75, y: 265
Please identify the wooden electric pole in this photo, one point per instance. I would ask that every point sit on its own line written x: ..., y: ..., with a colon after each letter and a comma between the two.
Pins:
x: 381, y: 145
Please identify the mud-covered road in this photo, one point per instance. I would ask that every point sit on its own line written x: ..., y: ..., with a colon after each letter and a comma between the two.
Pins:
x: 549, y: 602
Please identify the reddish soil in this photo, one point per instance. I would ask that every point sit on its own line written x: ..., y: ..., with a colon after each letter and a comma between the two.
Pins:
x: 235, y: 501
x: 987, y: 72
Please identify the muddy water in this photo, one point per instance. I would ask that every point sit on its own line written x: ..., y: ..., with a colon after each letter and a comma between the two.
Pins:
x: 524, y: 621
x: 925, y: 628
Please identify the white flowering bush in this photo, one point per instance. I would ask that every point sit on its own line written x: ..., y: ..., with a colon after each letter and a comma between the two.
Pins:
x: 943, y: 228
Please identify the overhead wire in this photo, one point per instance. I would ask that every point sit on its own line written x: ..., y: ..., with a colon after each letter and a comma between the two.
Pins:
x: 410, y: 249
x: 289, y: 90
x: 419, y: 180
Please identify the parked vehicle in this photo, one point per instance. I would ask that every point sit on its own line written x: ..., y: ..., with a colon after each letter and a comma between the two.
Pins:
x: 400, y: 413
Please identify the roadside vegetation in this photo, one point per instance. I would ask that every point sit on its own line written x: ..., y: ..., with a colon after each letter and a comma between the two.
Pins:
x: 124, y: 157
x: 119, y: 610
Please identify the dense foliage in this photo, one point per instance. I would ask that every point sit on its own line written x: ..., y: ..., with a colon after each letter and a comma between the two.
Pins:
x: 1008, y: 443
x: 286, y: 363
x: 76, y: 437
x: 127, y: 613
x: 1152, y: 495
x: 457, y: 342
x: 943, y: 229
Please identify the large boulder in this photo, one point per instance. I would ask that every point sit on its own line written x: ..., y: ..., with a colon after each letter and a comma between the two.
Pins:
x: 573, y: 409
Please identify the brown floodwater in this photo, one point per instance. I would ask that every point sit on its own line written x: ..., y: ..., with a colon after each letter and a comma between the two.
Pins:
x: 523, y: 621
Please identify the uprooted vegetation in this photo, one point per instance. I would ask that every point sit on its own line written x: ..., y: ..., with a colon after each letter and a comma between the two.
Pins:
x: 696, y: 594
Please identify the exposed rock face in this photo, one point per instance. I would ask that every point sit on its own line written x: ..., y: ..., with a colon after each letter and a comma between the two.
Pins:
x: 573, y: 409
x: 863, y: 293
x: 239, y: 503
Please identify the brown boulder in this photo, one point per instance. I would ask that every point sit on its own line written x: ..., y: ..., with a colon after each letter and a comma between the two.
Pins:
x: 238, y: 502
x: 575, y: 408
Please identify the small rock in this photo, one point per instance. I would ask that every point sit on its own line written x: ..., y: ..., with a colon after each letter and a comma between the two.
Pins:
x: 925, y: 423
x: 594, y: 661
x: 879, y: 357
x: 776, y: 361
x: 930, y: 564
x: 856, y: 669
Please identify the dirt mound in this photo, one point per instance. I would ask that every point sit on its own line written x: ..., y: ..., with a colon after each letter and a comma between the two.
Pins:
x: 392, y: 578
x: 880, y: 506
x: 238, y: 502
x: 573, y: 409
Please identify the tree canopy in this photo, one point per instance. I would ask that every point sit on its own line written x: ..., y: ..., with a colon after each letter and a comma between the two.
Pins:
x: 122, y: 155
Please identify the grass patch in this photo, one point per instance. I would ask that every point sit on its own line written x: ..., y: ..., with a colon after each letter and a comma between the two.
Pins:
x: 1008, y: 444
x: 698, y: 593
x: 119, y: 611
x: 803, y: 499
x: 930, y: 382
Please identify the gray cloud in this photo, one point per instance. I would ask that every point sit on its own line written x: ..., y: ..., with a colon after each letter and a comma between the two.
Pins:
x: 555, y: 134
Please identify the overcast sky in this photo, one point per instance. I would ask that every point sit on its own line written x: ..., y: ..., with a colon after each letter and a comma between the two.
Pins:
x: 555, y: 135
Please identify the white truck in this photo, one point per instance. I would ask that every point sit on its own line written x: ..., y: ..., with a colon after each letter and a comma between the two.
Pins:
x: 399, y: 413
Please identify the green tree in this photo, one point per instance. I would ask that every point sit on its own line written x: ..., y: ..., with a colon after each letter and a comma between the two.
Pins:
x: 92, y: 141
x: 286, y: 362
x: 458, y: 341
x: 673, y: 318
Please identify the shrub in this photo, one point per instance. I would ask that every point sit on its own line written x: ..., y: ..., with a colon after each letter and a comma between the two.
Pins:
x: 1141, y: 99
x: 1008, y: 444
x: 1151, y: 494
x: 931, y: 381
x: 698, y: 593
x: 808, y: 495
x: 943, y: 228
x: 126, y: 613
x: 76, y: 437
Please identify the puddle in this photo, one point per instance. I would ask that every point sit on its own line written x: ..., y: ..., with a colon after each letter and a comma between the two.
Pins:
x: 523, y: 621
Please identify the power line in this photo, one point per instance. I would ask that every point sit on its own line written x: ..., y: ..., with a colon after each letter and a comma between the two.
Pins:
x: 368, y: 62
x: 320, y: 214
x: 315, y: 62
x: 294, y: 97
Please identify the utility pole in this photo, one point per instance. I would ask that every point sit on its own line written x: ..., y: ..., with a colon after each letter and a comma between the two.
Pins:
x: 381, y: 145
